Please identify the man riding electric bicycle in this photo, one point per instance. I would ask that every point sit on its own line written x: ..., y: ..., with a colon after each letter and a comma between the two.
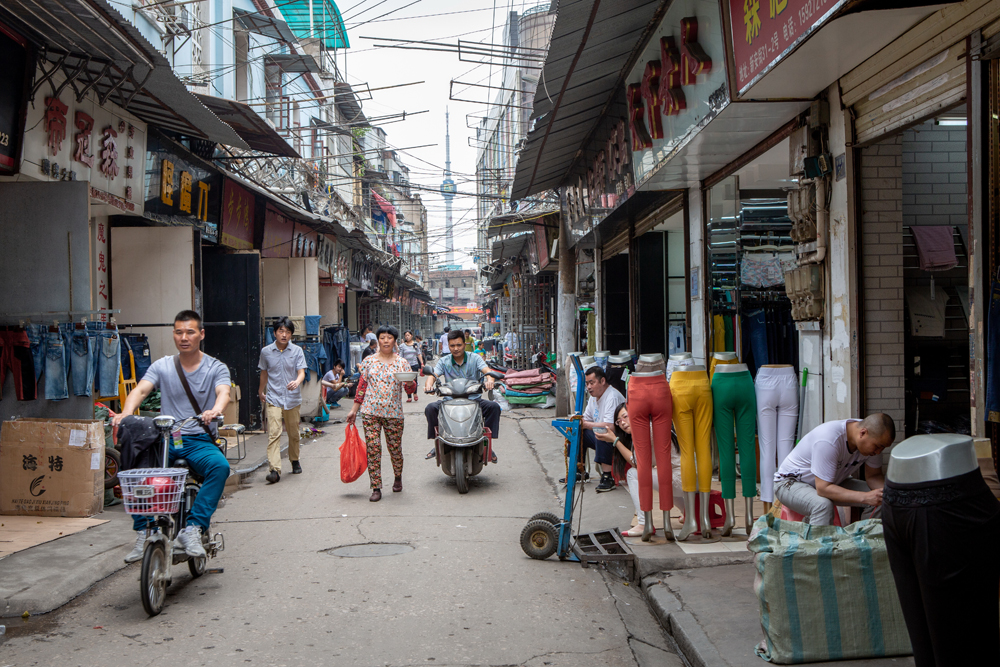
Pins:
x: 461, y: 364
x: 191, y: 384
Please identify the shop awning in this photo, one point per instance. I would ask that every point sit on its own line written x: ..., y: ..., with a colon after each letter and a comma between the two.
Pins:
x: 511, y: 248
x: 591, y: 49
x: 310, y: 19
x: 251, y: 126
x: 90, y: 40
x: 293, y: 63
x: 521, y: 222
x: 264, y: 25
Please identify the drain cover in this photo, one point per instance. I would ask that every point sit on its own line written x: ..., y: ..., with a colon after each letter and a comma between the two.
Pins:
x: 370, y: 550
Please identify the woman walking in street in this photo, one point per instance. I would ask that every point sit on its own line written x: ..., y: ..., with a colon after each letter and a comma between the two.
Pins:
x: 381, y: 408
x: 410, y: 351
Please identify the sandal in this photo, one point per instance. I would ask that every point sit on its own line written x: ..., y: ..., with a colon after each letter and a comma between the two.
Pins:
x: 636, y: 531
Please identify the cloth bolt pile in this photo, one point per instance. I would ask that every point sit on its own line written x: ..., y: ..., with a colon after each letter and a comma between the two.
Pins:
x: 529, y: 387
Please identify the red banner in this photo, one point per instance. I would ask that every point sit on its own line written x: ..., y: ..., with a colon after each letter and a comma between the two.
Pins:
x: 341, y: 292
x: 764, y: 30
x: 278, y: 232
x: 237, y: 216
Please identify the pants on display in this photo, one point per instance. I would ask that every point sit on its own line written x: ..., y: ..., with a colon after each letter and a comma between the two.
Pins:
x: 138, y: 345
x: 56, y: 363
x: 109, y: 361
x: 719, y: 362
x: 393, y: 428
x: 209, y: 463
x: 676, y: 340
x: 803, y: 499
x: 735, y: 412
x: 942, y: 539
x: 37, y: 337
x: 758, y: 337
x: 719, y: 334
x: 673, y: 364
x: 650, y: 409
x: 16, y: 356
x: 692, y: 409
x: 491, y: 417
x: 777, y: 418
x: 276, y: 417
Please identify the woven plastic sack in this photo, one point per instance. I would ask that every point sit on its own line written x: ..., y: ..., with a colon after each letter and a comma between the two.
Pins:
x: 826, y: 593
x: 353, y: 456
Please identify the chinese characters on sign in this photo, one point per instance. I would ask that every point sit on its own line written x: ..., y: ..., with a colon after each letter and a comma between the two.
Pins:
x: 102, y: 259
x: 109, y: 152
x: 85, y: 124
x: 237, y: 216
x: 55, y: 123
x: 169, y: 185
x: 764, y: 31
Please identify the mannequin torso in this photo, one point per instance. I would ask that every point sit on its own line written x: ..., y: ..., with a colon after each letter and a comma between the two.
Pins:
x: 926, y: 458
x: 724, y: 356
x: 691, y: 368
x: 731, y: 368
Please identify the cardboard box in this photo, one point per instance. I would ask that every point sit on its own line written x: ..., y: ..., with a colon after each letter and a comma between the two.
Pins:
x: 52, y: 467
x: 231, y: 413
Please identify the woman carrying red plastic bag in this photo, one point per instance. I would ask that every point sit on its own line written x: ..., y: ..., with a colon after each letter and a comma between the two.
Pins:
x: 381, y: 408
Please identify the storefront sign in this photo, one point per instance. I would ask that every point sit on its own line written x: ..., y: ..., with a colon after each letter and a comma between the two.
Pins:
x: 764, y: 32
x: 237, y: 216
x: 102, y: 260
x: 361, y: 272
x: 279, y: 232
x: 326, y: 253
x: 341, y: 292
x: 342, y: 269
x: 13, y: 77
x: 305, y: 242
x: 181, y: 189
x: 678, y: 84
x: 84, y: 141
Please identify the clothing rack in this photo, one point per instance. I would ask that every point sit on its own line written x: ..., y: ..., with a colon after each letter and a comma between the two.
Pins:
x: 71, y: 313
x: 170, y: 324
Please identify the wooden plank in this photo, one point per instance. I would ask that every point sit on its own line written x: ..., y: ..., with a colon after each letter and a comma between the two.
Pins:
x: 946, y: 26
x: 18, y: 533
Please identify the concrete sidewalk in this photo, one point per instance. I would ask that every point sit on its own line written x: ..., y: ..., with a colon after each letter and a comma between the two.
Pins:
x: 45, y: 577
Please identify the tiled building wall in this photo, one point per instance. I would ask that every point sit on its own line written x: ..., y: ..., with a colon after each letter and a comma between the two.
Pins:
x: 882, y: 275
x: 935, y: 175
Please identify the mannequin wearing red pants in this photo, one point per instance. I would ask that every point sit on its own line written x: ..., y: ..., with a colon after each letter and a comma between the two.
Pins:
x: 650, y: 405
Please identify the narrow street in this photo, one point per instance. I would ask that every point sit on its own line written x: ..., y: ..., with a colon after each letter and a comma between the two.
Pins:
x: 461, y: 592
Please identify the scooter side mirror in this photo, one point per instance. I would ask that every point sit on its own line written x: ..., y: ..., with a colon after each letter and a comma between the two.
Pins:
x: 428, y: 370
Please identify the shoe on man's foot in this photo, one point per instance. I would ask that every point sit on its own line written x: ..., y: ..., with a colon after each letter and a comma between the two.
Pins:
x: 296, y: 468
x: 493, y: 457
x: 431, y: 454
x: 580, y: 477
x: 273, y: 477
x: 335, y: 404
x: 135, y: 555
x: 607, y: 483
x: 190, y: 540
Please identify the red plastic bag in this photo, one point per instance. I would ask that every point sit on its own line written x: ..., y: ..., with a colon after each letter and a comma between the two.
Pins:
x: 353, y: 456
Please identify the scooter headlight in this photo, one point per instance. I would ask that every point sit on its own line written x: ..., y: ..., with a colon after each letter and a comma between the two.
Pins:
x: 475, y: 388
x: 446, y: 391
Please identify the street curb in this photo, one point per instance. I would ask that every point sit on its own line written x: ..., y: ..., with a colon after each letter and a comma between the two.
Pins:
x: 647, y: 566
x: 253, y: 467
x: 681, y: 625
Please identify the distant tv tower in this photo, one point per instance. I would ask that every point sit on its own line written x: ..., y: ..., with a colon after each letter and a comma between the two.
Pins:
x: 448, y: 192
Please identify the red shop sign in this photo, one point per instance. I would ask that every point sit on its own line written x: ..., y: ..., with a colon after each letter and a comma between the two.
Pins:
x: 765, y: 30
x: 278, y: 231
x: 237, y: 217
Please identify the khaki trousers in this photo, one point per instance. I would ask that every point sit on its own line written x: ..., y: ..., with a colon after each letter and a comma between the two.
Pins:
x: 275, y: 418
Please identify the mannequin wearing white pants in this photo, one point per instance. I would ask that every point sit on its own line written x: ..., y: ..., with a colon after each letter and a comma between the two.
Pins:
x: 777, y: 416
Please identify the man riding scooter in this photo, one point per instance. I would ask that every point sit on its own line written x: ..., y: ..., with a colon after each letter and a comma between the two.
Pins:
x: 461, y: 364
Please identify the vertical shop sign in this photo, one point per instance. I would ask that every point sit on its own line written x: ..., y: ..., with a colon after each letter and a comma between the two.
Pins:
x: 237, y: 216
x: 341, y: 292
x: 278, y: 234
x: 13, y: 78
x: 678, y: 85
x: 342, y: 269
x: 765, y: 31
x: 102, y: 259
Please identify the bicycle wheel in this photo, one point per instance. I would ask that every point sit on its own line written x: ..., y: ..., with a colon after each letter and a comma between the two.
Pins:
x: 112, y: 464
x: 154, y: 577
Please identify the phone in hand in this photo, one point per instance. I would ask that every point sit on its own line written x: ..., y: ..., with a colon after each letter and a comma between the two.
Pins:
x: 600, y: 429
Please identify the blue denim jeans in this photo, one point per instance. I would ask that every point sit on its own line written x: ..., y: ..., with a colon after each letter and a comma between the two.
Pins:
x: 993, y: 356
x: 758, y: 337
x: 676, y: 339
x: 210, y: 463
x: 138, y: 345
x: 83, y: 358
x: 37, y: 337
x: 315, y: 354
x: 56, y: 363
x: 109, y: 361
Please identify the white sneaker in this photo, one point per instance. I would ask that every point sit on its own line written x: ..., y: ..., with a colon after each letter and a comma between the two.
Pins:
x: 140, y: 542
x: 190, y: 540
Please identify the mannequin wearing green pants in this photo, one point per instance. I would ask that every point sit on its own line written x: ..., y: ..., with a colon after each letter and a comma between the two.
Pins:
x: 735, y: 414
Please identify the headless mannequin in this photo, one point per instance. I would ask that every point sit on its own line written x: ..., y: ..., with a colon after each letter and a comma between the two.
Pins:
x: 650, y: 363
x: 727, y: 527
x: 724, y: 356
x: 668, y: 529
x: 767, y: 506
x: 681, y: 356
x: 932, y: 481
x: 690, y: 523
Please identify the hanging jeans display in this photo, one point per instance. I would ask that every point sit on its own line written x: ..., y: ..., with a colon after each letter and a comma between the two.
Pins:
x: 758, y: 336
x: 138, y: 344
x: 56, y: 364
x: 37, y: 336
x: 676, y: 339
x: 777, y: 417
x: 735, y: 413
x: 16, y: 357
x: 942, y: 539
x: 650, y: 405
x: 692, y: 406
x: 993, y: 356
x: 109, y: 360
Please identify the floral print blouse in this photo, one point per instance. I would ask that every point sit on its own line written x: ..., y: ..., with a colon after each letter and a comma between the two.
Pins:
x: 382, y: 397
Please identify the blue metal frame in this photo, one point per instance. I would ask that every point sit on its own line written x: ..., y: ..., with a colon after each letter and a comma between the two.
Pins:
x: 571, y: 429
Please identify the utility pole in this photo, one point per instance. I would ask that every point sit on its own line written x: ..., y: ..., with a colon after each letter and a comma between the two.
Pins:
x: 566, y: 304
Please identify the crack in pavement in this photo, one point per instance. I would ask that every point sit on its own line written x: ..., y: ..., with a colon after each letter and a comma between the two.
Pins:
x: 358, y: 528
x: 667, y: 639
x: 534, y: 452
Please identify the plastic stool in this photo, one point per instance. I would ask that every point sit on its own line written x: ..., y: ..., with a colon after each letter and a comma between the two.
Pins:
x: 789, y: 515
x: 716, y: 509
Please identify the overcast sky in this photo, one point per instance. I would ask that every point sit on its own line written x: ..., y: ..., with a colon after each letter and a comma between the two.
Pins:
x: 384, y: 67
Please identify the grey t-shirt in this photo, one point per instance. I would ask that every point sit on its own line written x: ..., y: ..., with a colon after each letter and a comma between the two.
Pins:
x: 409, y: 352
x: 211, y: 373
x: 282, y: 367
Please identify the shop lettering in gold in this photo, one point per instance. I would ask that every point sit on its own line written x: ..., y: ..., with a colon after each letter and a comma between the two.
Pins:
x: 185, y: 204
x: 203, y: 189
x: 167, y: 182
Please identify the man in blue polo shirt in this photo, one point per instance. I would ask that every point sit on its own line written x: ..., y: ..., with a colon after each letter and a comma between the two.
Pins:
x: 461, y: 364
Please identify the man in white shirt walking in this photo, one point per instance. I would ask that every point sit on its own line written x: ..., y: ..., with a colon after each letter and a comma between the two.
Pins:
x: 816, y: 476
x: 443, y: 343
x: 282, y: 371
